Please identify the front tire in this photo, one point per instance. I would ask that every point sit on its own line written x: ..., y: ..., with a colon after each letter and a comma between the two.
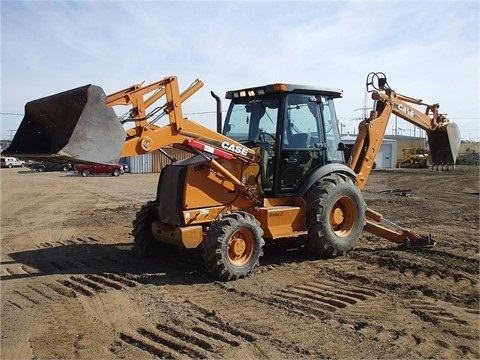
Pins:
x: 41, y: 169
x: 233, y: 246
x: 116, y: 172
x: 335, y: 215
x: 65, y: 168
x: 85, y: 173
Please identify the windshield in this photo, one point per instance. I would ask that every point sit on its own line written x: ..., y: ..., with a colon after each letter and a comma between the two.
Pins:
x: 247, y: 119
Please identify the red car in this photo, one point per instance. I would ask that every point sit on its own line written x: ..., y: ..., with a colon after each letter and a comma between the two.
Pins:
x: 87, y: 169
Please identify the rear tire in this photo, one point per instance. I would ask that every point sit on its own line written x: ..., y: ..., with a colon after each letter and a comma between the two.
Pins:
x: 85, y: 173
x: 335, y: 215
x: 41, y: 169
x: 233, y: 246
x: 143, y: 241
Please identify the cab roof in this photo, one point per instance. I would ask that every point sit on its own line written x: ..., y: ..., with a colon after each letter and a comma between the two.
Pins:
x: 282, y: 87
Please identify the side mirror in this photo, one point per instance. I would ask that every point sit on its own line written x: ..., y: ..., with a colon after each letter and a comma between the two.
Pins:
x: 341, y: 146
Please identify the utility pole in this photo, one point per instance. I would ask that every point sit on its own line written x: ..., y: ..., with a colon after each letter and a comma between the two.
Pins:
x: 11, y: 133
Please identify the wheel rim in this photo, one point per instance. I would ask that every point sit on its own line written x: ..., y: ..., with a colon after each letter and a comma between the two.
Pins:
x: 240, y: 247
x: 343, y: 216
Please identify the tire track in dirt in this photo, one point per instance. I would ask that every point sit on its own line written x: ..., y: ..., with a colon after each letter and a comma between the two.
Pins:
x: 204, y: 334
x: 201, y: 335
x: 419, y: 265
x: 74, y: 255
x: 35, y: 294
x: 436, y: 308
x: 312, y: 300
x: 64, y: 257
x: 70, y: 287
x: 464, y: 331
x: 349, y: 284
x: 328, y: 295
x: 454, y: 272
x: 199, y: 339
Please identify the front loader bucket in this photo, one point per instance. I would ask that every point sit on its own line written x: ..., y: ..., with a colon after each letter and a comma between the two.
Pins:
x: 74, y: 126
x: 444, y: 144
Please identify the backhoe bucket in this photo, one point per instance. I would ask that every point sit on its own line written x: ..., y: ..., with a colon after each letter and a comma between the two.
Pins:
x: 74, y: 126
x: 444, y: 144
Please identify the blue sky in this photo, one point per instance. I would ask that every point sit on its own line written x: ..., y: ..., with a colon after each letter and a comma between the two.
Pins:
x: 428, y: 50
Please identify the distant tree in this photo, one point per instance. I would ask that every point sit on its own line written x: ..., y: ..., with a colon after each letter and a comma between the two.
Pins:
x: 4, y: 144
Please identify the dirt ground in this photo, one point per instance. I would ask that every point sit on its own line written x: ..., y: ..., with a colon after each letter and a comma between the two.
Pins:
x: 72, y: 288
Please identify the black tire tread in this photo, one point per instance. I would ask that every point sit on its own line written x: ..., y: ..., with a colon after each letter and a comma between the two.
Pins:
x: 318, y: 199
x: 212, y: 245
x: 143, y: 241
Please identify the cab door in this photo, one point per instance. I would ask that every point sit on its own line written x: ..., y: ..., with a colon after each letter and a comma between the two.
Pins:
x: 310, y: 139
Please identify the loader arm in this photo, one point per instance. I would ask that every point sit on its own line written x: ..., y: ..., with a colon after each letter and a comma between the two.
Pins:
x: 146, y: 137
x: 181, y: 132
x: 444, y: 141
x: 80, y: 126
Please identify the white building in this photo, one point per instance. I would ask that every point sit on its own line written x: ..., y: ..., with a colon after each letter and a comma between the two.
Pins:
x: 386, y: 156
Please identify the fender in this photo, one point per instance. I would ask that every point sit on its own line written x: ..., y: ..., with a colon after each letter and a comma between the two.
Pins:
x: 322, y: 172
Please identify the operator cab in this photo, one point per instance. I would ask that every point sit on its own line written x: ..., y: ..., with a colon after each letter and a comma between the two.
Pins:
x: 293, y: 123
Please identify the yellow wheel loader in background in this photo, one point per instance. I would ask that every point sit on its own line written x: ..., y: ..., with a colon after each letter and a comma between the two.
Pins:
x: 276, y: 169
x: 414, y: 158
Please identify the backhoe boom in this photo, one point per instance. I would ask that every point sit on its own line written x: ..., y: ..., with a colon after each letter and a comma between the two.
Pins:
x: 443, y: 136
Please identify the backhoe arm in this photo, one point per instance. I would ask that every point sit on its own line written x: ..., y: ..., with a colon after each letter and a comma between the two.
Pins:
x: 444, y: 141
x: 444, y: 137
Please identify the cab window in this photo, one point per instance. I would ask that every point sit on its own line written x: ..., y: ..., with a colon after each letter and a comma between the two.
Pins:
x: 247, y: 120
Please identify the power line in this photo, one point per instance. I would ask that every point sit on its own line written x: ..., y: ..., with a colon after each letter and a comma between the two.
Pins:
x: 203, y: 112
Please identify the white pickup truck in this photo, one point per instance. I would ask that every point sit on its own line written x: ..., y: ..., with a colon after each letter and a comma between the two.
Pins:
x: 11, y: 162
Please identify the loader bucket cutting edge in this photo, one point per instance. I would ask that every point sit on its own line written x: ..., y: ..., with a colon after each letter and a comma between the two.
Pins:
x: 74, y: 126
x: 444, y: 144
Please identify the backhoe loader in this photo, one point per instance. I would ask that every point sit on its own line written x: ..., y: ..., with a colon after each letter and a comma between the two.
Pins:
x: 274, y: 168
